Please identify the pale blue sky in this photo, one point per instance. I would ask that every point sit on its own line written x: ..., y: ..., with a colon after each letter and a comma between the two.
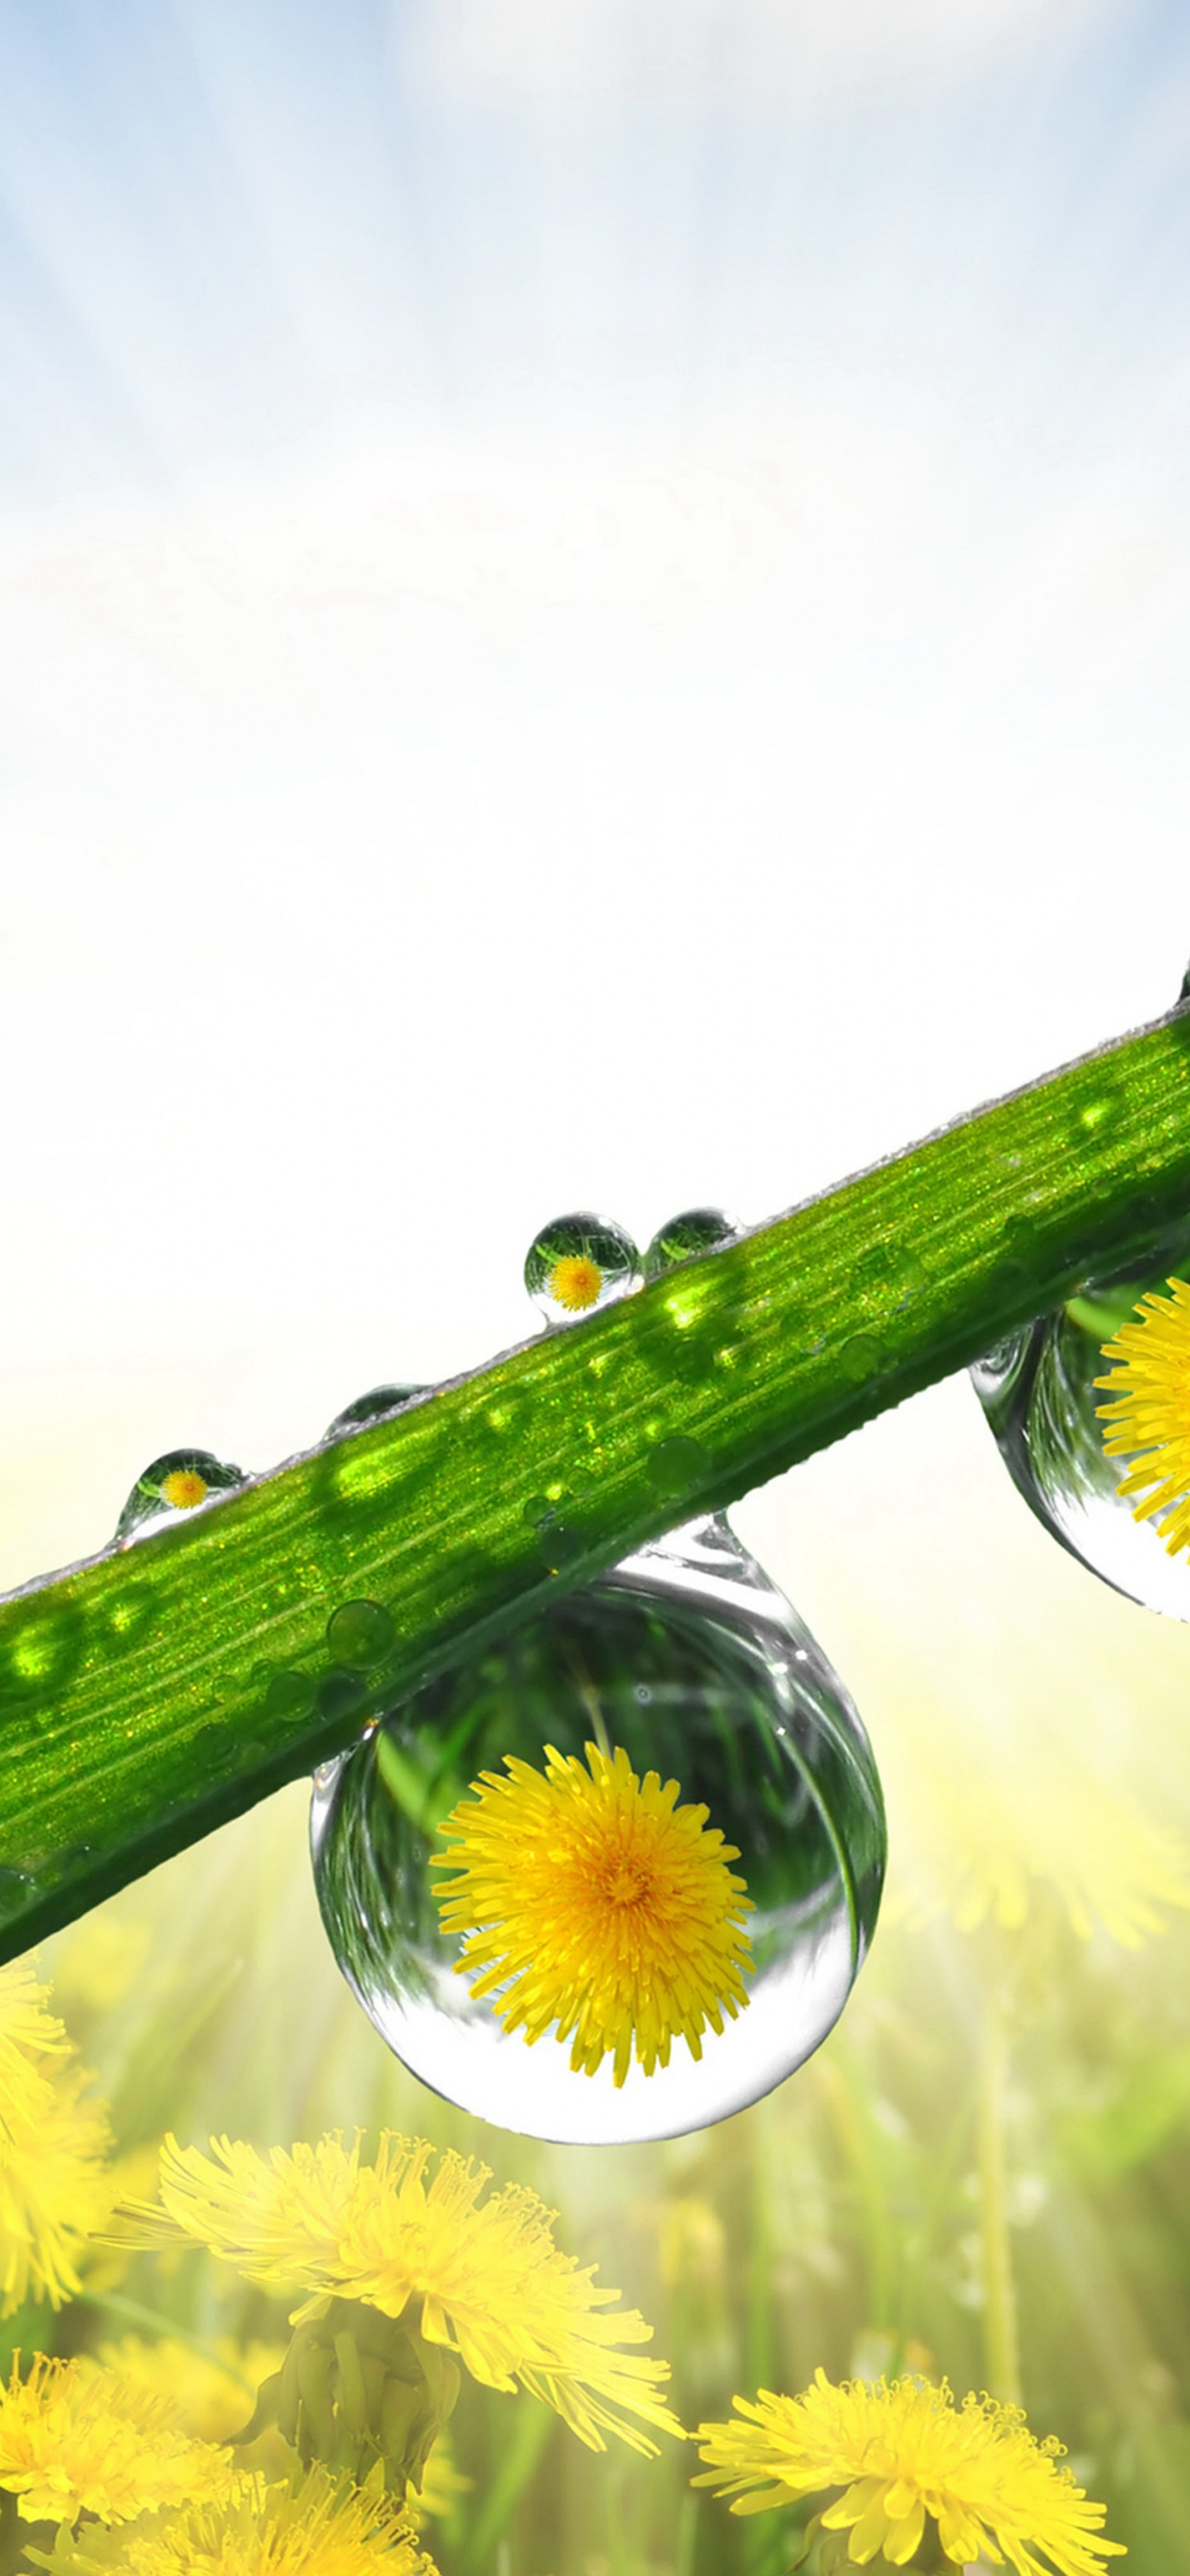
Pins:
x: 594, y: 609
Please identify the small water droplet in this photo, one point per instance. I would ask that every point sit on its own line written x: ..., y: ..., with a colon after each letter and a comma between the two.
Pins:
x: 173, y: 1486
x: 505, y: 1419
x: 688, y: 1659
x: 860, y: 1357
x: 695, y: 1230
x: 371, y: 1407
x: 578, y: 1264
x: 677, y: 1465
x: 290, y: 1695
x: 131, y: 1615
x: 559, y: 1546
x: 360, y: 1634
x: 41, y: 1655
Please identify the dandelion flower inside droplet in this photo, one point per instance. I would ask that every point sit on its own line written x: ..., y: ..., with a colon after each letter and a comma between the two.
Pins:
x: 590, y: 1900
x: 579, y: 1263
x: 1149, y: 1419
x: 575, y: 1282
x: 183, y: 1489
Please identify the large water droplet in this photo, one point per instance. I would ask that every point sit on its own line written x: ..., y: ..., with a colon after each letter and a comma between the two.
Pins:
x: 687, y: 1663
x: 579, y: 1263
x: 173, y: 1486
x: 1038, y: 1391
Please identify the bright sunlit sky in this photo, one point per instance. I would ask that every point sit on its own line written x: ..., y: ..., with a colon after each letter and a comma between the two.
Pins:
x: 594, y: 610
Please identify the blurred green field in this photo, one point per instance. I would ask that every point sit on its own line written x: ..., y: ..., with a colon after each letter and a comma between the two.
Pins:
x: 984, y: 2173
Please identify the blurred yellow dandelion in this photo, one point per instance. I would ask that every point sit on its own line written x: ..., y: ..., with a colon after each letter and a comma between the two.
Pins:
x: 321, y: 2527
x: 486, y: 2274
x: 1150, y: 1413
x: 212, y: 2398
x: 77, y: 2440
x: 986, y: 1847
x: 902, y: 2451
x: 55, y: 2184
x: 574, y: 1282
x: 591, y: 1900
x: 183, y: 1488
x: 32, y: 2041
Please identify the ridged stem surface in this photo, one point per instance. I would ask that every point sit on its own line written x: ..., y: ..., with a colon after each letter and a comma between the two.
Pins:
x: 154, y: 1691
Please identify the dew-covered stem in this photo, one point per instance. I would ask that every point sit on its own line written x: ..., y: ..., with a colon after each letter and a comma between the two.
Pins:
x: 160, y: 1688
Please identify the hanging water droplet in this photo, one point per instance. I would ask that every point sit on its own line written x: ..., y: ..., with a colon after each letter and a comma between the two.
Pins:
x: 579, y: 1263
x: 371, y: 1407
x: 695, y: 1230
x: 173, y: 1486
x: 1038, y: 1391
x: 683, y: 1662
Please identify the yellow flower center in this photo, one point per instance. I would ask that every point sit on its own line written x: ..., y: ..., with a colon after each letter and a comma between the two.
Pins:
x: 183, y: 1488
x: 1149, y: 1420
x: 628, y: 1884
x: 575, y: 1282
x: 590, y: 1902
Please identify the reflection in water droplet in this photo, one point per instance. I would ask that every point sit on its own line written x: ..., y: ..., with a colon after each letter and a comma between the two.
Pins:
x: 371, y: 1407
x: 360, y: 1634
x: 578, y: 1264
x: 1038, y: 1391
x: 173, y: 1486
x: 695, y: 1230
x: 688, y: 1659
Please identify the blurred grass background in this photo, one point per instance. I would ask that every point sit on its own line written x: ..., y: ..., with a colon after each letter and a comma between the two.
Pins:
x: 985, y: 2171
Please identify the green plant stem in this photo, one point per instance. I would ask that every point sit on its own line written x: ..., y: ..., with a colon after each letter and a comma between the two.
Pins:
x: 1000, y: 2340
x: 153, y: 1692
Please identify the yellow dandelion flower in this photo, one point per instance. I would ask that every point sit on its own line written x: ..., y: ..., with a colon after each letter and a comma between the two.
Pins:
x: 486, y: 2274
x: 575, y: 1282
x: 988, y: 1846
x: 32, y: 2040
x: 902, y: 2452
x: 83, y: 2440
x: 1150, y: 1414
x: 55, y: 2184
x: 183, y: 1488
x: 213, y: 2397
x: 592, y: 1900
x: 321, y: 2527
